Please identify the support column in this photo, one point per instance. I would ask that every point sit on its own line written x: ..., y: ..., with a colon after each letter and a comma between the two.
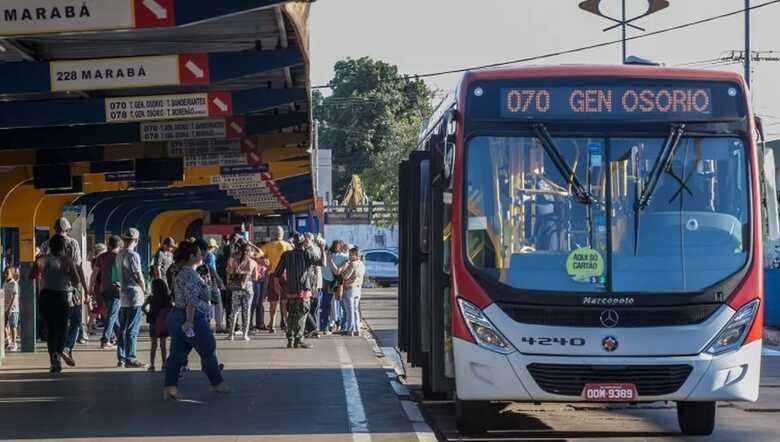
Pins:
x: 28, y: 308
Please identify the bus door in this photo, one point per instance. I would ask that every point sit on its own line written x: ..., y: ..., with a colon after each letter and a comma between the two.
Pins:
x: 440, y: 373
x: 414, y: 293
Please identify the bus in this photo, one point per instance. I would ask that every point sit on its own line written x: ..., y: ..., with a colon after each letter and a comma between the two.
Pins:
x: 587, y: 234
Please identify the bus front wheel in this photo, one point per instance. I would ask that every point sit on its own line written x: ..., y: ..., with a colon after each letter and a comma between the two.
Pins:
x: 696, y: 418
x: 471, y: 416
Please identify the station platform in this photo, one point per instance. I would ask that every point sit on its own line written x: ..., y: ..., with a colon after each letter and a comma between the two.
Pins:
x: 337, y: 391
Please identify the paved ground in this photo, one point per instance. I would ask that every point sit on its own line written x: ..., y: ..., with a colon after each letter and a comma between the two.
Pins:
x: 337, y: 391
x: 758, y: 421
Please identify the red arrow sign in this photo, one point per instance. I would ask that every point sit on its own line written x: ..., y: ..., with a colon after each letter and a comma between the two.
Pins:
x: 154, y: 13
x: 235, y: 127
x: 220, y: 104
x: 194, y: 69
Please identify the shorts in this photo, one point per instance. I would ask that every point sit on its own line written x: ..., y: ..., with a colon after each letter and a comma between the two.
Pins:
x: 276, y: 291
x: 13, y: 319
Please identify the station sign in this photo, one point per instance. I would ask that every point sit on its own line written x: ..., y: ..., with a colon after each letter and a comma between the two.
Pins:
x: 183, y: 130
x: 243, y: 170
x: 28, y: 17
x: 216, y: 159
x: 129, y: 72
x: 168, y: 107
x: 203, y: 147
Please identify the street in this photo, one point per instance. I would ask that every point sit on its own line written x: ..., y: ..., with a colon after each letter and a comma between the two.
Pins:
x: 586, y: 422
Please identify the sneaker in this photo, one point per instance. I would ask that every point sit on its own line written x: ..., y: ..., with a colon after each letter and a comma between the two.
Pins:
x: 289, y: 344
x: 271, y: 331
x: 120, y: 364
x: 82, y: 341
x: 107, y: 346
x: 136, y: 364
x: 238, y: 333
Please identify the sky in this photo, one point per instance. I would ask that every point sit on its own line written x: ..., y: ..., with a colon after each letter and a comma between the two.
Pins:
x: 422, y: 36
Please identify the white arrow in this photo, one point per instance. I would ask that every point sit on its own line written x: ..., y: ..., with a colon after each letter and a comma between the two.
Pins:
x: 221, y: 104
x: 235, y: 126
x: 196, y: 71
x: 156, y: 9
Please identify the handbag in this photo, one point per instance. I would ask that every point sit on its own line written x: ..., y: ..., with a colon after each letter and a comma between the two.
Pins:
x: 161, y: 323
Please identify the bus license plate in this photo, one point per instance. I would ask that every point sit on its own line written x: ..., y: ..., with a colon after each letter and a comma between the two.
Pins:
x: 610, y: 392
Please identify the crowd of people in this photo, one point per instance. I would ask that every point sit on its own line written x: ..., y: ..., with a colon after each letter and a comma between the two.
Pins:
x: 194, y: 290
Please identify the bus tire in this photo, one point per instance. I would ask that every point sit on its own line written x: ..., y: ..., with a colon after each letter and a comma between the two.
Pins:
x: 696, y: 418
x: 471, y: 416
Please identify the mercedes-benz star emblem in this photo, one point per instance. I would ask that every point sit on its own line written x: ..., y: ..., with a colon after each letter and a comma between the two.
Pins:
x: 609, y: 343
x: 609, y: 318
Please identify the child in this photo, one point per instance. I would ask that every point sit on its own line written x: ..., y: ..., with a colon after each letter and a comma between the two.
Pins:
x: 11, y: 292
x: 159, y: 304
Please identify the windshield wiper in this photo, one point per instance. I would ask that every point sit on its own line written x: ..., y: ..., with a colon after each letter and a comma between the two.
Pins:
x: 663, y: 164
x: 579, y: 191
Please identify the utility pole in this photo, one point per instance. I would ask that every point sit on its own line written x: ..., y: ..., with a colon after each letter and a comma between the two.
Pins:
x: 748, y: 54
x: 623, y: 24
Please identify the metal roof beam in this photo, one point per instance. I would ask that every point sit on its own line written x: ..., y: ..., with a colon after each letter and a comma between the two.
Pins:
x: 126, y: 133
x: 120, y: 110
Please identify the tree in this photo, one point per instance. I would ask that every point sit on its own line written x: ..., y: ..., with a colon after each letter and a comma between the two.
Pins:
x: 371, y: 122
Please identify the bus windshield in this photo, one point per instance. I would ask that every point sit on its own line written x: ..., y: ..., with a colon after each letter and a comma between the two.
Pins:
x: 527, y: 228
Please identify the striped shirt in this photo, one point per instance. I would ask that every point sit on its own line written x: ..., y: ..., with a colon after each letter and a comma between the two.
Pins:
x: 300, y: 266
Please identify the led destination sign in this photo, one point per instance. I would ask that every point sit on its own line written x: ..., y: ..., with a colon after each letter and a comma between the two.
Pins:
x: 612, y: 99
x: 605, y: 102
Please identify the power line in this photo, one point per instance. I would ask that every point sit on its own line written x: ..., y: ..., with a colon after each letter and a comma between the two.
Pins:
x: 585, y: 48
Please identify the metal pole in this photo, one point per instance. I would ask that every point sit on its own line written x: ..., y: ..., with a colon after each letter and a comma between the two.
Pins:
x: 748, y: 52
x: 623, y: 24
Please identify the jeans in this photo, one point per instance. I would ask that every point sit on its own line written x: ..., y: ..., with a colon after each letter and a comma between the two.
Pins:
x: 325, y: 301
x: 352, y: 306
x: 54, y: 311
x: 127, y: 341
x: 204, y: 343
x: 74, y: 327
x: 112, y: 317
x: 313, y: 317
x: 258, y: 308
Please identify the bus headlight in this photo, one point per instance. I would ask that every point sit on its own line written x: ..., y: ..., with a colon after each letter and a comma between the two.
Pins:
x: 733, y: 334
x: 483, y: 331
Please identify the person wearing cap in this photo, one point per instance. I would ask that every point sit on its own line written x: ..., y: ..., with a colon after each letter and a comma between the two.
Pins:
x: 131, y: 300
x: 62, y: 227
x: 163, y: 258
x: 211, y: 254
x: 301, y: 279
x: 273, y: 250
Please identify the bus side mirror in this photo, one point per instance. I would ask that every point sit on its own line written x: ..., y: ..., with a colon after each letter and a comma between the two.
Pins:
x: 770, y: 196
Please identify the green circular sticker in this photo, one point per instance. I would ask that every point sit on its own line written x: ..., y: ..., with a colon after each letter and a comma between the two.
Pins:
x: 584, y: 264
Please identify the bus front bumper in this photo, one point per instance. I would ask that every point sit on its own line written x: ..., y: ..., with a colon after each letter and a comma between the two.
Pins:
x: 485, y: 375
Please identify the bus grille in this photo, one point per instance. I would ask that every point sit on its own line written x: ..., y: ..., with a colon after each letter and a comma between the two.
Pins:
x: 570, y: 380
x: 578, y: 316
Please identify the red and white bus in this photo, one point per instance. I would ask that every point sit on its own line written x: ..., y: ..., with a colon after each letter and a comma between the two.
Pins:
x: 587, y: 234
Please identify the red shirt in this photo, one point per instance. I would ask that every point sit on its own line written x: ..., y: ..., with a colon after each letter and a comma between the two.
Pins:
x: 105, y: 262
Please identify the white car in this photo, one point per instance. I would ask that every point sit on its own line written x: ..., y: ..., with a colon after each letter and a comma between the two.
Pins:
x: 381, y: 266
